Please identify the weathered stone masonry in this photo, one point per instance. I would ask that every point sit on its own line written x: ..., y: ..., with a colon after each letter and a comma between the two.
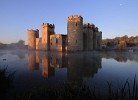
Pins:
x: 80, y: 37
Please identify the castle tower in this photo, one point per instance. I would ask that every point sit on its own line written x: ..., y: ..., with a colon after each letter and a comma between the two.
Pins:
x: 32, y: 35
x: 88, y: 36
x: 75, y: 33
x: 97, y: 38
x: 95, y: 30
x: 47, y: 30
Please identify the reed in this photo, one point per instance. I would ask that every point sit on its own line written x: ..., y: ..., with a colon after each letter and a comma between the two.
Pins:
x: 5, y: 81
x: 82, y: 92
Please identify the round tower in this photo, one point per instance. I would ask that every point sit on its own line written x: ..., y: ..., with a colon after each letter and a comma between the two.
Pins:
x: 32, y: 34
x: 75, y: 33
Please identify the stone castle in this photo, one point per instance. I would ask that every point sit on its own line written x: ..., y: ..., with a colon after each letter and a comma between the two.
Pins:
x: 80, y: 37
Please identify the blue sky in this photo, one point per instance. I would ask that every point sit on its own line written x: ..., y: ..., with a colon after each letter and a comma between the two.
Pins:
x: 113, y: 17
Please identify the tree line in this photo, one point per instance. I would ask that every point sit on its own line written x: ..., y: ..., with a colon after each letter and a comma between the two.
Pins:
x: 121, y: 41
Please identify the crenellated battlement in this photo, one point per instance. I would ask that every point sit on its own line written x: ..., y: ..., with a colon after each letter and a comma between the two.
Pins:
x: 75, y: 17
x: 88, y: 25
x: 32, y: 30
x: 35, y: 32
x: 48, y: 25
x: 80, y: 36
x: 96, y: 29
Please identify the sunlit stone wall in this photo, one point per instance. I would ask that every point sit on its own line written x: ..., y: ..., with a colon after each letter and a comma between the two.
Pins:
x: 57, y: 42
x: 47, y: 30
x: 32, y: 34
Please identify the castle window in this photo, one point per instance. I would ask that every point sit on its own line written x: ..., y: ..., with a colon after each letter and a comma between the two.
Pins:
x: 56, y: 41
x: 76, y: 24
x: 76, y: 41
x: 51, y: 43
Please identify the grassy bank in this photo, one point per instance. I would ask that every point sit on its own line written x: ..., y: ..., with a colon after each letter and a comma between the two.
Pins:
x: 81, y: 92
x: 5, y: 81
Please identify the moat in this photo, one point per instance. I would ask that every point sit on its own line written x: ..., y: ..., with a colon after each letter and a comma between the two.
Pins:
x: 36, y: 69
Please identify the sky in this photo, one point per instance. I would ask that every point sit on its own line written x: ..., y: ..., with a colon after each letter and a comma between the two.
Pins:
x: 113, y: 17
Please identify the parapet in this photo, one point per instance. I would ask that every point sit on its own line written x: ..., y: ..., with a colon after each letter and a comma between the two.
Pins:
x: 88, y: 25
x: 34, y: 32
x: 101, y: 32
x: 78, y: 17
x: 31, y: 30
x: 96, y: 29
x: 48, y: 25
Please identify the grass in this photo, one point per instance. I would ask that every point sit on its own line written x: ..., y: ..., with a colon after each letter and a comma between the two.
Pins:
x: 82, y: 92
x: 126, y: 92
x: 5, y: 81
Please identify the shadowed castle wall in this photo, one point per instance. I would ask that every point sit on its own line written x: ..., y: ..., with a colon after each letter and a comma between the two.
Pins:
x: 32, y: 35
x: 47, y: 30
x: 97, y: 38
x: 88, y: 36
x: 75, y: 33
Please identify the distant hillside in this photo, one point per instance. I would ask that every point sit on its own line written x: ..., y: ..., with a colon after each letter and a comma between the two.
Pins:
x: 2, y: 45
x: 19, y: 45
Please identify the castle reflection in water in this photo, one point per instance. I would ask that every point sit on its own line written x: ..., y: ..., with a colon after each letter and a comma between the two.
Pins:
x: 78, y: 65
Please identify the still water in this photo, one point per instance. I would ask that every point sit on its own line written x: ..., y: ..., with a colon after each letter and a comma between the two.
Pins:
x: 35, y: 69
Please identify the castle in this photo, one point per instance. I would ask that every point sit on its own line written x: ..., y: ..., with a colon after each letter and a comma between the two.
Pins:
x: 80, y: 37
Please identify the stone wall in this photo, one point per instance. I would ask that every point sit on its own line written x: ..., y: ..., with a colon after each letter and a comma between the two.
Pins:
x: 88, y: 36
x: 98, y: 39
x: 75, y: 33
x: 79, y: 37
x: 57, y: 42
x: 32, y: 34
x: 47, y: 30
x: 38, y: 43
